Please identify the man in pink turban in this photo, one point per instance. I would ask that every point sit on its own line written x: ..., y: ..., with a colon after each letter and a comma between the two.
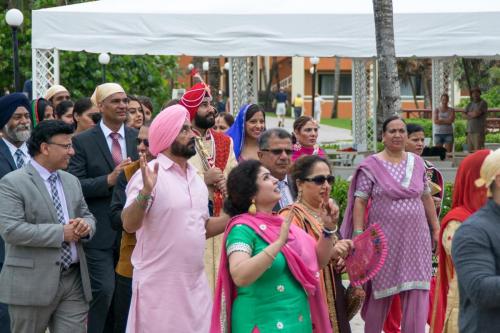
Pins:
x: 167, y: 208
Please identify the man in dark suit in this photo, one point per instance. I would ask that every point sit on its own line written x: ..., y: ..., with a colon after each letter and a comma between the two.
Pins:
x: 275, y: 150
x: 16, y: 129
x: 44, y: 220
x: 101, y: 153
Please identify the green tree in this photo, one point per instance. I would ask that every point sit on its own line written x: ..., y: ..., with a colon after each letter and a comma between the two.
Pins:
x: 80, y: 72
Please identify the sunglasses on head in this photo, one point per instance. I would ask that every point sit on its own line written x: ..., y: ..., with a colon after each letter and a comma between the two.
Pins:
x: 319, y: 180
x: 278, y: 152
x: 139, y: 141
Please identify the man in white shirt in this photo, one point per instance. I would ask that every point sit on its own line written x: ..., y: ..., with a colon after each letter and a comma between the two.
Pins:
x: 275, y: 150
x: 44, y: 220
x: 15, y: 125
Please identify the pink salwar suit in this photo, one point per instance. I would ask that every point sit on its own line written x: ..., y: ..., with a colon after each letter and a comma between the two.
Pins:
x: 170, y: 291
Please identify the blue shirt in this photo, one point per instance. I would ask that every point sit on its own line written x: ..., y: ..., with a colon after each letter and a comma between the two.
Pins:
x: 281, y: 97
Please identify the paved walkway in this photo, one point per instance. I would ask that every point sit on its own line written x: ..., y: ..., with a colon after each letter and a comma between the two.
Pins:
x: 326, y: 133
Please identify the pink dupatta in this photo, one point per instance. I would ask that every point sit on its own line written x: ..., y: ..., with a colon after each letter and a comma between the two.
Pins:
x: 374, y: 169
x: 305, y: 271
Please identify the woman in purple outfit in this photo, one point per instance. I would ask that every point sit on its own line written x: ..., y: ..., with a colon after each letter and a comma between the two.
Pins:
x: 390, y: 189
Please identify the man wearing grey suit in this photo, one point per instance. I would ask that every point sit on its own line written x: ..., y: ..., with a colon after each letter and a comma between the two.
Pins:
x: 15, y: 124
x: 44, y: 220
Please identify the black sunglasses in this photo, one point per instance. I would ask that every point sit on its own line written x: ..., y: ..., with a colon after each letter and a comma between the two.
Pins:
x: 319, y: 180
x: 278, y: 152
x: 139, y: 141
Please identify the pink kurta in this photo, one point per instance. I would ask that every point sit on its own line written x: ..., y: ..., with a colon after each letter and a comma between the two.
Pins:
x: 170, y: 291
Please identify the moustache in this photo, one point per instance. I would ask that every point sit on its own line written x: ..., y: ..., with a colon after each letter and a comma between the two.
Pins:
x: 22, y: 128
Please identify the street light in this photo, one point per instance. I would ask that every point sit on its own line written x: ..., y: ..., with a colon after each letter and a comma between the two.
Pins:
x: 205, y: 66
x: 190, y: 69
x: 14, y: 19
x: 104, y: 59
x: 227, y: 67
x: 314, y: 61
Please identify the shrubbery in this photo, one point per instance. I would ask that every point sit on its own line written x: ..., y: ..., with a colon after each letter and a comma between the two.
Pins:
x: 459, y: 131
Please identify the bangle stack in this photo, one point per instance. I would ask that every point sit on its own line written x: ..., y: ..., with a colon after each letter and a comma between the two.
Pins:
x: 327, y: 233
x: 143, y: 199
x: 357, y: 232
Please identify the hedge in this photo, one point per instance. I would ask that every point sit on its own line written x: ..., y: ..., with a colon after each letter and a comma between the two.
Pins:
x: 459, y: 132
x: 340, y: 189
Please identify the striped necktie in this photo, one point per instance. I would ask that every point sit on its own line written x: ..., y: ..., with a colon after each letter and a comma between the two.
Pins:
x: 284, y: 197
x: 19, y: 158
x: 65, y: 248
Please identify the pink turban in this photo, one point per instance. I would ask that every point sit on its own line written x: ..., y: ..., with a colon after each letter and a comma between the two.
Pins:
x: 165, y: 128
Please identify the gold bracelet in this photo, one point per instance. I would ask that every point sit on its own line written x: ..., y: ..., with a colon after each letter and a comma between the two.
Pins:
x: 269, y: 254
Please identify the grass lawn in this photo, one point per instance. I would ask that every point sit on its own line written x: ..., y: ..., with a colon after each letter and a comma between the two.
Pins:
x: 341, y: 123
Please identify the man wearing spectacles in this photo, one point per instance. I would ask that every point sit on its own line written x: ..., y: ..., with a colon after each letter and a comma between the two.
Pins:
x: 275, y: 150
x: 45, y: 221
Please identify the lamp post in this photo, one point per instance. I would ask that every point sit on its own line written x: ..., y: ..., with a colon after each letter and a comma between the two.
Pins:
x: 205, y: 66
x: 14, y: 19
x: 314, y: 61
x: 190, y: 69
x: 104, y: 59
x: 227, y: 66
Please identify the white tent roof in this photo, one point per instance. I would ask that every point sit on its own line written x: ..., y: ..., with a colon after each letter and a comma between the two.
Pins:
x: 423, y: 28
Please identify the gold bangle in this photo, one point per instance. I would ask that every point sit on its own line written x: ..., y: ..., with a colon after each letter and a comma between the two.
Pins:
x: 269, y: 254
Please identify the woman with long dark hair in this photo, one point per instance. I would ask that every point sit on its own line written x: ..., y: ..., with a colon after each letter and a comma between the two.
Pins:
x: 269, y: 271
x: 248, y: 125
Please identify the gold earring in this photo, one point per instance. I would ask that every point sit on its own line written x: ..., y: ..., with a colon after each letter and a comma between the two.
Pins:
x: 252, y: 209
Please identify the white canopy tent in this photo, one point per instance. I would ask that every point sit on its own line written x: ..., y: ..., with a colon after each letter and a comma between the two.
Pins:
x: 238, y: 29
x: 426, y: 28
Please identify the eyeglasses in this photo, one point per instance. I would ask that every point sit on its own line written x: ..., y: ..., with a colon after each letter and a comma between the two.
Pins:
x: 319, y: 180
x: 278, y: 151
x: 139, y: 141
x: 65, y: 146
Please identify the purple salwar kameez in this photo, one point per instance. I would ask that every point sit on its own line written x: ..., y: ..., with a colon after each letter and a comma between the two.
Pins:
x: 394, y: 194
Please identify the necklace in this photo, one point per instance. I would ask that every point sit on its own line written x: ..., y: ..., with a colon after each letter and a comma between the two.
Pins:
x: 311, y: 211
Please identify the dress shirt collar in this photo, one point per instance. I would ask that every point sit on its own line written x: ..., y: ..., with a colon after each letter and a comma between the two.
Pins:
x: 105, y: 129
x: 42, y: 171
x: 166, y: 164
x: 13, y: 149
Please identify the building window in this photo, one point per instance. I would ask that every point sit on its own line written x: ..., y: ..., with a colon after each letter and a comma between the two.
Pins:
x: 326, y: 83
x: 405, y: 86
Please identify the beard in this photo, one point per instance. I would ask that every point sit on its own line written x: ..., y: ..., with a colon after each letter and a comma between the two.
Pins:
x: 204, y: 122
x: 188, y: 150
x: 21, y: 133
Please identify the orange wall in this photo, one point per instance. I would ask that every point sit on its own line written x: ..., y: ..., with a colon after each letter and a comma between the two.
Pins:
x: 345, y: 108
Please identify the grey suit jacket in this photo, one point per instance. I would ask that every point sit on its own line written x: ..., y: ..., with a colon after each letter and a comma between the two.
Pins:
x: 33, y: 237
x: 7, y: 165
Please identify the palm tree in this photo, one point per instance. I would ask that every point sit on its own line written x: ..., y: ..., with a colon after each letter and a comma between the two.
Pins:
x: 336, y: 89
x: 390, y: 99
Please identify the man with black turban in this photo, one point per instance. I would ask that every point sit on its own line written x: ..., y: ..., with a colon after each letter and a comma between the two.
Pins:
x: 15, y: 125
